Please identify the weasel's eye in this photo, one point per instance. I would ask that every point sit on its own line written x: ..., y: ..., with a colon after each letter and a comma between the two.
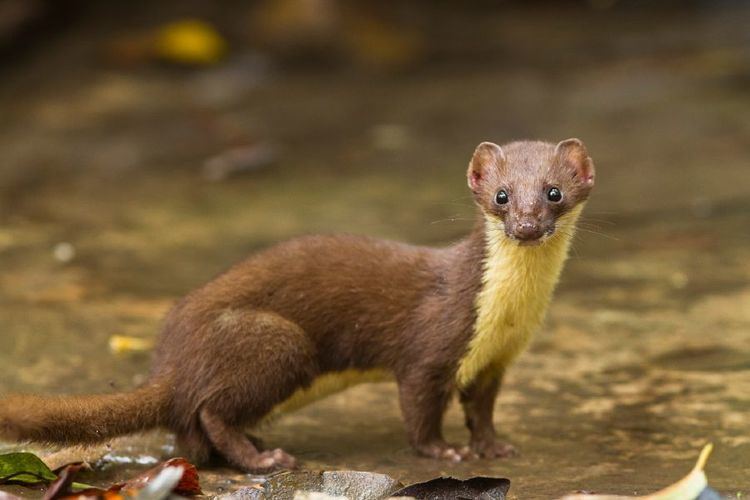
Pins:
x: 501, y: 198
x: 554, y: 195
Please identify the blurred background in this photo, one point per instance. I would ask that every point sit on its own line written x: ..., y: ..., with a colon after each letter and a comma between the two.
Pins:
x: 146, y: 146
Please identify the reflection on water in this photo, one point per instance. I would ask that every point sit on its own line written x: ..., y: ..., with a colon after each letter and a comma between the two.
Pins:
x: 645, y: 356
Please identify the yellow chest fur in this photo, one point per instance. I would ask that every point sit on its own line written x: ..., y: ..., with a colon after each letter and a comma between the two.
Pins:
x: 517, y: 284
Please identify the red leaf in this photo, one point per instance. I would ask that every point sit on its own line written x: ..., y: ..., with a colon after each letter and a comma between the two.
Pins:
x: 187, y: 486
x: 60, y: 487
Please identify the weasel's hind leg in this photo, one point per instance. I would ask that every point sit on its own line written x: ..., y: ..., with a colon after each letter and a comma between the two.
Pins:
x: 260, y: 359
x: 198, y: 448
x: 195, y: 445
x: 235, y: 446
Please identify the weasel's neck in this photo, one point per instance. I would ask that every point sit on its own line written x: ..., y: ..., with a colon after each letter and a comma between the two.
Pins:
x: 517, y: 283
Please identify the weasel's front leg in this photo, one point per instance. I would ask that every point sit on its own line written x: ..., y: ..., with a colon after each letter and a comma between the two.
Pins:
x: 423, y: 402
x: 478, y: 401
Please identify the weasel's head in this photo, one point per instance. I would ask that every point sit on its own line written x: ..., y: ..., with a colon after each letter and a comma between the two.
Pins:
x: 527, y: 188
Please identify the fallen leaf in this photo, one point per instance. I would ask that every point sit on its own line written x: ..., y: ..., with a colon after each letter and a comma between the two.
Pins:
x: 120, y: 344
x: 24, y: 468
x: 690, y: 487
x: 94, y: 493
x: 448, y: 488
x: 188, y: 485
x: 175, y: 476
x: 64, y: 482
x: 163, y: 485
x: 189, y: 41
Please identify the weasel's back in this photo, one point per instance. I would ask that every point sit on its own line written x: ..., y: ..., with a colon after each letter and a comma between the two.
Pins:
x: 346, y: 292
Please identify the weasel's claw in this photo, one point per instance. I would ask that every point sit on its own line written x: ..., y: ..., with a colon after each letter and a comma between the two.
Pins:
x: 446, y: 451
x: 271, y: 460
x: 494, y: 449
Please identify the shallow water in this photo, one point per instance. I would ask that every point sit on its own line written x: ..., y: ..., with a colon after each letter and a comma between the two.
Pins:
x: 646, y: 353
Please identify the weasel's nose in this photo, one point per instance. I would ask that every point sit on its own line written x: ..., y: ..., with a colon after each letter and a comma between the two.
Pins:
x: 528, y: 230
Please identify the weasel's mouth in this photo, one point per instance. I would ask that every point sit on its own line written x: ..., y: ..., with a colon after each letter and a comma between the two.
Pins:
x: 534, y: 240
x: 530, y: 243
x: 526, y: 242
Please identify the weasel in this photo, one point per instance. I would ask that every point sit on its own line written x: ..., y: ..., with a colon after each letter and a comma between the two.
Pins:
x: 279, y: 326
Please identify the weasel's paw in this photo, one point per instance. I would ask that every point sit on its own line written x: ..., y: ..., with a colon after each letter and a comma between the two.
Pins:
x: 446, y: 451
x: 271, y: 460
x: 494, y: 449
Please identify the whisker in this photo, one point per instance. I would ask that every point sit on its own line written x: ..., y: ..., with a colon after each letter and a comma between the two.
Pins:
x: 574, y: 249
x: 452, y: 219
x: 599, y: 233
x: 590, y: 220
x: 590, y: 227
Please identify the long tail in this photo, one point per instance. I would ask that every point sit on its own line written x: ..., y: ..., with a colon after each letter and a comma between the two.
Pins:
x: 82, y: 419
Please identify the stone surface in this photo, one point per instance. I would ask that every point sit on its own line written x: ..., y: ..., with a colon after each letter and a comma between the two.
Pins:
x: 352, y: 485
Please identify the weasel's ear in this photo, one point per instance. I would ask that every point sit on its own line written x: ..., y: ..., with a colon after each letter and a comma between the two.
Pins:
x: 486, y: 156
x: 572, y: 153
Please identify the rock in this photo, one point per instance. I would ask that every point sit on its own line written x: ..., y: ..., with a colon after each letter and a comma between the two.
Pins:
x: 64, y: 252
x: 314, y: 495
x: 359, y: 485
x: 352, y: 485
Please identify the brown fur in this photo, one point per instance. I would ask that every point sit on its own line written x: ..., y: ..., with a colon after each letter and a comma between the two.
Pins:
x: 237, y: 347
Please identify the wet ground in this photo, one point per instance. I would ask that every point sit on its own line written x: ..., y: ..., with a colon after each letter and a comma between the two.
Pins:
x: 107, y: 216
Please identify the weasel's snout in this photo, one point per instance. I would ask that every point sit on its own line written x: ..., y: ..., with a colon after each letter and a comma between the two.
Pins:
x: 528, y: 231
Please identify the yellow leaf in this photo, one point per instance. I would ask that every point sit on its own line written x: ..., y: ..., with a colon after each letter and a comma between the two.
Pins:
x: 189, y: 41
x: 687, y: 488
x: 119, y: 344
